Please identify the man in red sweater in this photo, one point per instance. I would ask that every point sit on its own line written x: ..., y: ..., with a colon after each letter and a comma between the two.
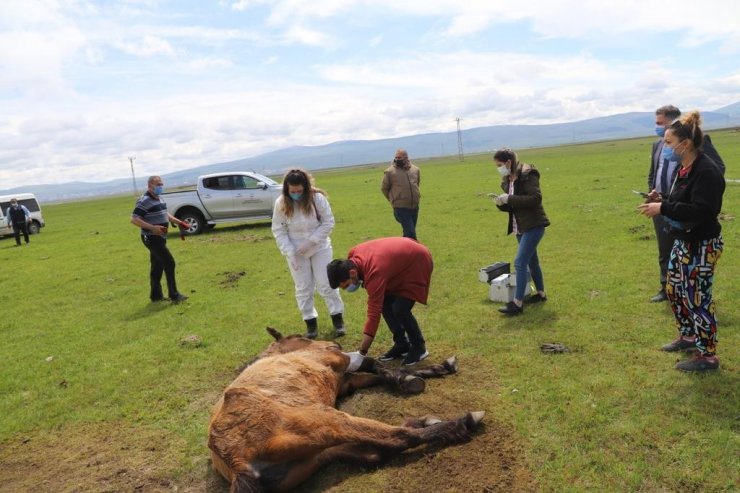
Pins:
x: 396, y: 273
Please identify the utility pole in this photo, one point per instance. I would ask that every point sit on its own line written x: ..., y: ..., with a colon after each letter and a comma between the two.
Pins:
x: 133, y: 176
x: 460, y: 154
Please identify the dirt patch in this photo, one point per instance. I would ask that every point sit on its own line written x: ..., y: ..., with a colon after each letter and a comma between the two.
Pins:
x: 249, y: 238
x: 104, y: 457
x: 231, y: 279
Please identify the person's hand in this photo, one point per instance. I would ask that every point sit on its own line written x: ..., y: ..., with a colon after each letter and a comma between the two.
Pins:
x: 159, y: 230
x: 654, y: 196
x: 651, y: 209
x: 305, y: 247
x: 355, y: 360
x: 294, y: 263
x: 502, y: 199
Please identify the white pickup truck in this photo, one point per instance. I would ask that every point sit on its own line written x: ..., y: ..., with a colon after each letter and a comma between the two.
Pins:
x: 235, y: 196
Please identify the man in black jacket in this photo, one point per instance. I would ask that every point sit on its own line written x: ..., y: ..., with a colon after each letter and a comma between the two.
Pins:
x: 663, y: 167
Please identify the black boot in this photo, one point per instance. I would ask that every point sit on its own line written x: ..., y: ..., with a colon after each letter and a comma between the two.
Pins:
x: 312, y: 328
x: 338, y: 323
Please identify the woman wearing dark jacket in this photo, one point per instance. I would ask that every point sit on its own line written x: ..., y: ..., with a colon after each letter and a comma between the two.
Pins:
x: 691, y: 208
x: 522, y: 199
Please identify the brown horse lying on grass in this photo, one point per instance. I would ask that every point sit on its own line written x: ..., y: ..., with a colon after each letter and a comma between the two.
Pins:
x: 276, y: 424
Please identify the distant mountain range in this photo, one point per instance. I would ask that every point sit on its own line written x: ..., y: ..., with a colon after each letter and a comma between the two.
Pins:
x: 357, y: 152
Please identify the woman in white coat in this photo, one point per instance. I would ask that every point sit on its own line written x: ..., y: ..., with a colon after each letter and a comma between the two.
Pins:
x: 301, y: 223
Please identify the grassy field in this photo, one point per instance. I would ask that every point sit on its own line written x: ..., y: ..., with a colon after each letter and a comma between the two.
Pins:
x: 98, y: 394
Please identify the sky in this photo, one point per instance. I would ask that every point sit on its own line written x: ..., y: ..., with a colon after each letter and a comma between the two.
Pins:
x: 175, y: 84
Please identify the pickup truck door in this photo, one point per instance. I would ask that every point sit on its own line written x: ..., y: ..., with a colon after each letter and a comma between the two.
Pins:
x: 217, y: 194
x: 251, y: 199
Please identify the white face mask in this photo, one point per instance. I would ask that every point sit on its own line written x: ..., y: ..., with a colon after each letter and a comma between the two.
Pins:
x: 503, y: 170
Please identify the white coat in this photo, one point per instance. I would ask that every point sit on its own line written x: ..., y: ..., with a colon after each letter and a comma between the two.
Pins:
x: 304, y: 240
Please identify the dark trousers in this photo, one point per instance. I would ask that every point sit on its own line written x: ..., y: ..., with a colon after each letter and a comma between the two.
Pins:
x: 665, y: 245
x: 161, y: 261
x: 17, y: 229
x: 407, y: 218
x: 403, y: 324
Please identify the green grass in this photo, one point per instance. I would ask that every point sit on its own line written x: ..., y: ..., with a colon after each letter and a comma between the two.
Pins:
x: 611, y: 416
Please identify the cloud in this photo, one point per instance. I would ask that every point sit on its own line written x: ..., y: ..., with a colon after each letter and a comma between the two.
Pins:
x: 146, y: 47
x: 88, y: 84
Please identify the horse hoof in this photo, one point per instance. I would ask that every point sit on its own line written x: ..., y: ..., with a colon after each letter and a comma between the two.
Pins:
x: 413, y: 385
x: 472, y: 419
x: 451, y: 364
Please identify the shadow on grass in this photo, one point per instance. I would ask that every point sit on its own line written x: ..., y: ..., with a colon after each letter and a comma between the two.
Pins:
x: 150, y: 309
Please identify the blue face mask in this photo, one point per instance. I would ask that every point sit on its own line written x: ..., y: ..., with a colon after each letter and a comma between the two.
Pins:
x: 660, y: 130
x: 353, y: 287
x: 158, y: 190
x: 668, y: 153
x: 296, y: 196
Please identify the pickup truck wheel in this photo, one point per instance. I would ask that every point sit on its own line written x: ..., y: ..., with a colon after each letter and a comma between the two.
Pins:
x: 195, y: 222
x: 34, y: 228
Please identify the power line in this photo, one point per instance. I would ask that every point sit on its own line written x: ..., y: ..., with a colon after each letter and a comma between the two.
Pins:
x: 460, y: 154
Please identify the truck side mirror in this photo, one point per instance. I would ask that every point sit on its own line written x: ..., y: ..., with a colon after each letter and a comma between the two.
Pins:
x: 262, y: 185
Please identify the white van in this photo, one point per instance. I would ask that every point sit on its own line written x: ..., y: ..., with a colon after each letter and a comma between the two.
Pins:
x: 27, y: 199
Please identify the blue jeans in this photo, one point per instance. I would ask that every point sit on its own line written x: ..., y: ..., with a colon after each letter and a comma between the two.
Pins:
x: 526, y: 262
x: 407, y: 218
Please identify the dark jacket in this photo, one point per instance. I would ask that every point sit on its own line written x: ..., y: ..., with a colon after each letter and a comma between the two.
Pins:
x: 696, y: 200
x: 706, y: 146
x: 526, y: 203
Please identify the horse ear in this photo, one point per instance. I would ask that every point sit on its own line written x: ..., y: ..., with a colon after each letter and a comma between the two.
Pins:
x: 274, y: 333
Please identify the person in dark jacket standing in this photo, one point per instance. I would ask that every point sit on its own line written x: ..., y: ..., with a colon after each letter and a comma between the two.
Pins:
x: 663, y: 167
x: 401, y: 187
x: 18, y: 216
x: 522, y: 199
x: 691, y: 208
x: 150, y: 214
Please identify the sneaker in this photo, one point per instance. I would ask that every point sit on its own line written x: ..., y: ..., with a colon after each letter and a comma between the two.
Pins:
x: 178, y: 298
x: 338, y: 323
x: 535, y: 298
x: 698, y: 363
x: 158, y: 299
x: 679, y: 344
x: 414, y: 356
x: 661, y: 296
x: 511, y: 308
x: 399, y: 350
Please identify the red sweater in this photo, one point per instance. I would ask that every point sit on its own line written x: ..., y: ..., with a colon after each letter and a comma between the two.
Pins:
x: 396, y: 266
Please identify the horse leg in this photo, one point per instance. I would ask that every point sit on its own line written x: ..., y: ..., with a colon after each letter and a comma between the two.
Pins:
x: 287, y: 476
x: 302, y: 445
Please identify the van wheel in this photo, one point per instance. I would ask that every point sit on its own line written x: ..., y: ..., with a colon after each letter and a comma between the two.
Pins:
x: 34, y: 228
x: 194, y: 221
